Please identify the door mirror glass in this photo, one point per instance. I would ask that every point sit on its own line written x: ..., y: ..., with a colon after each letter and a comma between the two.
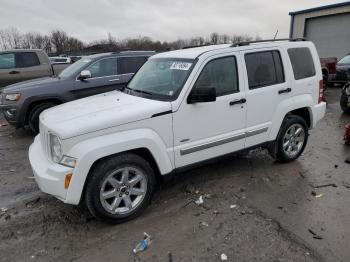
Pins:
x: 85, y: 74
x: 202, y: 95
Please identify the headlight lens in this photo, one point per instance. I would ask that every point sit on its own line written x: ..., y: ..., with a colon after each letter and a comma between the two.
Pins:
x: 13, y: 97
x: 347, y: 90
x: 56, y: 148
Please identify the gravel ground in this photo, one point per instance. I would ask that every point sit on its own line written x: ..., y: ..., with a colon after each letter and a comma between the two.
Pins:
x: 254, y: 209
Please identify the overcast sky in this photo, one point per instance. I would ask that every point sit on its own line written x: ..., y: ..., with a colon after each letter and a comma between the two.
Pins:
x: 159, y: 19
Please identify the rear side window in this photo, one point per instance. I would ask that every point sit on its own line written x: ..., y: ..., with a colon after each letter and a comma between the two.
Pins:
x: 26, y: 59
x: 220, y: 73
x: 7, y: 61
x: 302, y: 62
x: 264, y: 69
x: 130, y: 65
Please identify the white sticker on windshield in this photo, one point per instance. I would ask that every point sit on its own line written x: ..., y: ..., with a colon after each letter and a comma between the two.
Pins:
x: 180, y: 66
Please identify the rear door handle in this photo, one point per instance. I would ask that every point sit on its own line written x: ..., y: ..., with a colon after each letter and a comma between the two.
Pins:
x: 113, y: 80
x: 239, y: 101
x: 14, y: 72
x: 287, y: 90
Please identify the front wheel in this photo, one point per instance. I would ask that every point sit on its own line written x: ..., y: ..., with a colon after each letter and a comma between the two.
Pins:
x: 33, y: 117
x: 292, y: 139
x: 119, y: 188
x: 344, y: 103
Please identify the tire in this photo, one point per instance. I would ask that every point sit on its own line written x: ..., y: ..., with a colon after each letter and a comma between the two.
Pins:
x: 344, y: 104
x: 288, y: 151
x: 33, y: 117
x: 110, y: 194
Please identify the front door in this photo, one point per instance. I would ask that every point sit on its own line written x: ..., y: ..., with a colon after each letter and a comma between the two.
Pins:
x: 207, y: 130
x: 104, y: 78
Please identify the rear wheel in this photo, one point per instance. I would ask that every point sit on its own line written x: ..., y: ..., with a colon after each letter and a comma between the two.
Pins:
x: 33, y: 118
x: 119, y: 188
x: 292, y: 139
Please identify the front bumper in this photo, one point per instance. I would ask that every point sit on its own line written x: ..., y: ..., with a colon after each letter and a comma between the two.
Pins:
x: 318, y: 112
x: 10, y: 113
x: 49, y: 176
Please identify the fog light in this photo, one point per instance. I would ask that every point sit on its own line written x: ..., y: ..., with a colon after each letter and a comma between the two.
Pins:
x: 67, y: 180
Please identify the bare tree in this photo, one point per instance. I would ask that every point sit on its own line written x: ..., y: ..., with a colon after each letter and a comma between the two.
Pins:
x: 214, y: 38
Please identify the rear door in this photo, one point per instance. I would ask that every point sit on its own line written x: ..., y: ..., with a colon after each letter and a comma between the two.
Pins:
x: 128, y: 66
x: 8, y: 73
x: 104, y: 78
x: 28, y: 66
x: 267, y: 88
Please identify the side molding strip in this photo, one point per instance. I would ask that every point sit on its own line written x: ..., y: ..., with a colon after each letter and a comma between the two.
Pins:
x: 222, y: 141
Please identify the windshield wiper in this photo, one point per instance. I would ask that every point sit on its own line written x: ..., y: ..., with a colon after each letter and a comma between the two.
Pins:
x: 139, y: 91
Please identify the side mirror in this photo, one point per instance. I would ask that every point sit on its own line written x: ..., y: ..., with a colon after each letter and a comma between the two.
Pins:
x: 85, y: 74
x: 202, y: 95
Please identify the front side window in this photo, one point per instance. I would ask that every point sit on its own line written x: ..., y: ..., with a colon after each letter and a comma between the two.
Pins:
x: 264, y: 69
x: 74, y: 69
x: 103, y: 67
x: 220, y: 73
x: 130, y: 65
x: 161, y: 78
x: 7, y: 61
x: 27, y: 59
x: 302, y: 62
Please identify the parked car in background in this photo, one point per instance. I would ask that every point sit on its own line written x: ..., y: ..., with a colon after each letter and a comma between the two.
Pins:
x: 23, y: 102
x: 60, y: 60
x: 20, y: 65
x: 181, y: 108
x: 343, y: 71
x: 345, y: 98
x: 75, y: 58
x: 328, y: 70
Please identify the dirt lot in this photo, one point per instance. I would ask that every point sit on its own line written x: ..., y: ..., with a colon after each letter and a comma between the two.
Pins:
x: 254, y: 209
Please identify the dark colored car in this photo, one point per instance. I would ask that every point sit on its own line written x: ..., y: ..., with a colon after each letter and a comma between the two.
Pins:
x: 23, y: 102
x: 345, y: 98
x: 343, y: 71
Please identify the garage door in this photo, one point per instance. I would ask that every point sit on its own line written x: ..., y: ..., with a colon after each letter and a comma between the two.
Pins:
x: 331, y: 34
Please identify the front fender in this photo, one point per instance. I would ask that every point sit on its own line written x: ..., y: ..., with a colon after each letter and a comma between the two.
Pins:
x: 89, y: 151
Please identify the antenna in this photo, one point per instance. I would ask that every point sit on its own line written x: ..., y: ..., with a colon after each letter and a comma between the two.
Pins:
x: 276, y: 34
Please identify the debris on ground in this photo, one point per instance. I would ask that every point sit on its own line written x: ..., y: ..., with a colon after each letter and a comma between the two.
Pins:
x: 347, y: 160
x: 144, y: 244
x: 30, y: 177
x: 346, y: 184
x: 335, y: 166
x: 324, y: 185
x: 223, y: 257
x: 170, y: 255
x: 233, y: 206
x: 3, y: 124
x: 317, y: 195
x: 4, y: 209
x: 204, y: 224
x: 199, y: 201
x: 315, y: 236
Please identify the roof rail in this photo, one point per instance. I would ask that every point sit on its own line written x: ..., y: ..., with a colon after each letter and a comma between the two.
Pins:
x: 132, y: 51
x: 193, y: 46
x: 267, y: 40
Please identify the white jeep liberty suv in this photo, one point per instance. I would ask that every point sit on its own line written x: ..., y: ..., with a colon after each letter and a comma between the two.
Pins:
x: 181, y: 108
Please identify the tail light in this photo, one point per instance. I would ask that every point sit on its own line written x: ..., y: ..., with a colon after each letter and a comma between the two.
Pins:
x: 320, y: 94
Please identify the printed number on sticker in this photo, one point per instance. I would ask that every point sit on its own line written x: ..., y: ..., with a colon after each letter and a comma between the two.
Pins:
x: 180, y: 66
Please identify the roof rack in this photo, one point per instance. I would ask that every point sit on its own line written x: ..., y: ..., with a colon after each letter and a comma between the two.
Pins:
x: 193, y: 46
x: 132, y: 51
x: 267, y: 40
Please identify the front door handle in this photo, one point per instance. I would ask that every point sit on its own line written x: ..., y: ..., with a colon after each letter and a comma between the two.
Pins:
x: 113, y: 80
x: 14, y: 72
x: 239, y: 101
x: 287, y: 90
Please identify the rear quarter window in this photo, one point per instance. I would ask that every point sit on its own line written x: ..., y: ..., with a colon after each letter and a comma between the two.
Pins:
x: 302, y: 62
x: 27, y: 59
x: 7, y: 61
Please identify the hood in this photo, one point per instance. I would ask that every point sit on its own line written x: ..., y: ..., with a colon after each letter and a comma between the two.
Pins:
x: 30, y: 84
x: 99, y: 112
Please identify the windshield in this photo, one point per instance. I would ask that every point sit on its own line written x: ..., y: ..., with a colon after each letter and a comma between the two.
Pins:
x: 161, y: 78
x: 345, y: 60
x: 74, y: 69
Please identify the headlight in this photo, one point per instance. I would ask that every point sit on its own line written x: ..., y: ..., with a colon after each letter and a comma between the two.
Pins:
x: 13, y: 97
x: 347, y: 90
x: 56, y: 148
x: 57, y: 154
